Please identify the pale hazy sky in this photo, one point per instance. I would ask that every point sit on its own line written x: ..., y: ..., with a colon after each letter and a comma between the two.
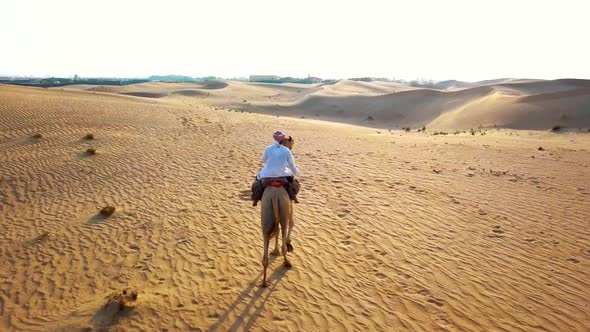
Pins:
x: 466, y: 40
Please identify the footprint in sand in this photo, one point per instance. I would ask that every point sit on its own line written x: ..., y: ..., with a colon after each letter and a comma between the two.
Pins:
x: 423, y: 292
x: 343, y: 213
x: 436, y: 302
x: 442, y: 322
x: 416, y: 190
x: 498, y: 231
x: 380, y: 275
x: 573, y: 260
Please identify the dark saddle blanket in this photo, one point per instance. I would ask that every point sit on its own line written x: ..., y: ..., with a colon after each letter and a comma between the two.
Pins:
x: 291, y: 185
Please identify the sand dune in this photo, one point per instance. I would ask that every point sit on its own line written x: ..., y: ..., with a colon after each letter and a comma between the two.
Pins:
x: 396, y: 231
x: 568, y: 108
x: 517, y: 104
x: 415, y: 107
x: 538, y: 87
x: 154, y: 89
x: 457, y: 85
x: 349, y: 88
x: 502, y: 103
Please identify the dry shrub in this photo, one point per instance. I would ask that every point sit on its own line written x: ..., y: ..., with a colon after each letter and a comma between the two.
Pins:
x: 123, y: 299
x: 107, y: 210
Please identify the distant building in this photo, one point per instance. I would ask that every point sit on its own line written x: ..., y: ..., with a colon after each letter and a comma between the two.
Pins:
x: 315, y: 79
x: 265, y: 78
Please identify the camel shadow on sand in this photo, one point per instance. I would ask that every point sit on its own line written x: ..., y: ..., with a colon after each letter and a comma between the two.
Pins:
x: 255, y: 298
x: 109, y: 315
x: 120, y: 305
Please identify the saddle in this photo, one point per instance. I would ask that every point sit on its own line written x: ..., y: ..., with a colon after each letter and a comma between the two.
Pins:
x: 275, y: 182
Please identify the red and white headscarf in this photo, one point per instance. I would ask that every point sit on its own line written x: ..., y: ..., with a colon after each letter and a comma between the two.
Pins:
x: 278, y: 137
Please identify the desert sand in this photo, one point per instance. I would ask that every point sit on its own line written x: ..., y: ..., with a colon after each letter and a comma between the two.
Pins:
x: 396, y: 231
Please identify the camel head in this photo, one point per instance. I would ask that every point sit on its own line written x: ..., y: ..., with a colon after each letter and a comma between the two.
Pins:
x: 288, y: 142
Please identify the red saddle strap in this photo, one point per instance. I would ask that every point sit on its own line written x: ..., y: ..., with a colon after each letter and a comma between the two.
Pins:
x: 276, y: 184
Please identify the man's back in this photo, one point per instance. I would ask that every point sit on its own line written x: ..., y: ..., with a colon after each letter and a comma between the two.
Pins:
x: 278, y: 162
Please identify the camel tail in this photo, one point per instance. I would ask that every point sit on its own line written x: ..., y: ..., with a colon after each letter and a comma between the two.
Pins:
x: 276, y: 215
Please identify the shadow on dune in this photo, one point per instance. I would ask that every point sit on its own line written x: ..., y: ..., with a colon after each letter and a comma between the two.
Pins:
x: 214, y: 85
x: 255, y: 298
x: 145, y: 94
x: 190, y: 93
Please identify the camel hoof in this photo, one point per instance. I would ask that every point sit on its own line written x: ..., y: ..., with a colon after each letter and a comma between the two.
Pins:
x: 264, y: 284
x: 275, y: 252
x: 288, y: 264
x: 289, y: 247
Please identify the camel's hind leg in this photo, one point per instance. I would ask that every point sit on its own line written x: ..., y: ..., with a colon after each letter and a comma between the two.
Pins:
x: 275, y: 251
x: 291, y: 223
x: 285, y: 251
x: 265, y: 258
x: 285, y: 216
x: 269, y: 228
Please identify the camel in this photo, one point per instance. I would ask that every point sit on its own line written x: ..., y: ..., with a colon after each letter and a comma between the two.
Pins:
x: 276, y: 212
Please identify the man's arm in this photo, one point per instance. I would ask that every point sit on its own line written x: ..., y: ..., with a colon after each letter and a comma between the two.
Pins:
x: 264, y: 156
x: 291, y: 163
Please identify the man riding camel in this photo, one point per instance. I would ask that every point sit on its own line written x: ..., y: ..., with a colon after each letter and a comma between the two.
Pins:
x: 278, y: 163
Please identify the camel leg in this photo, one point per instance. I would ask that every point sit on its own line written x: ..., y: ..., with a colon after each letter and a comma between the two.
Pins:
x: 291, y: 224
x: 284, y: 238
x: 265, y: 259
x: 275, y: 251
